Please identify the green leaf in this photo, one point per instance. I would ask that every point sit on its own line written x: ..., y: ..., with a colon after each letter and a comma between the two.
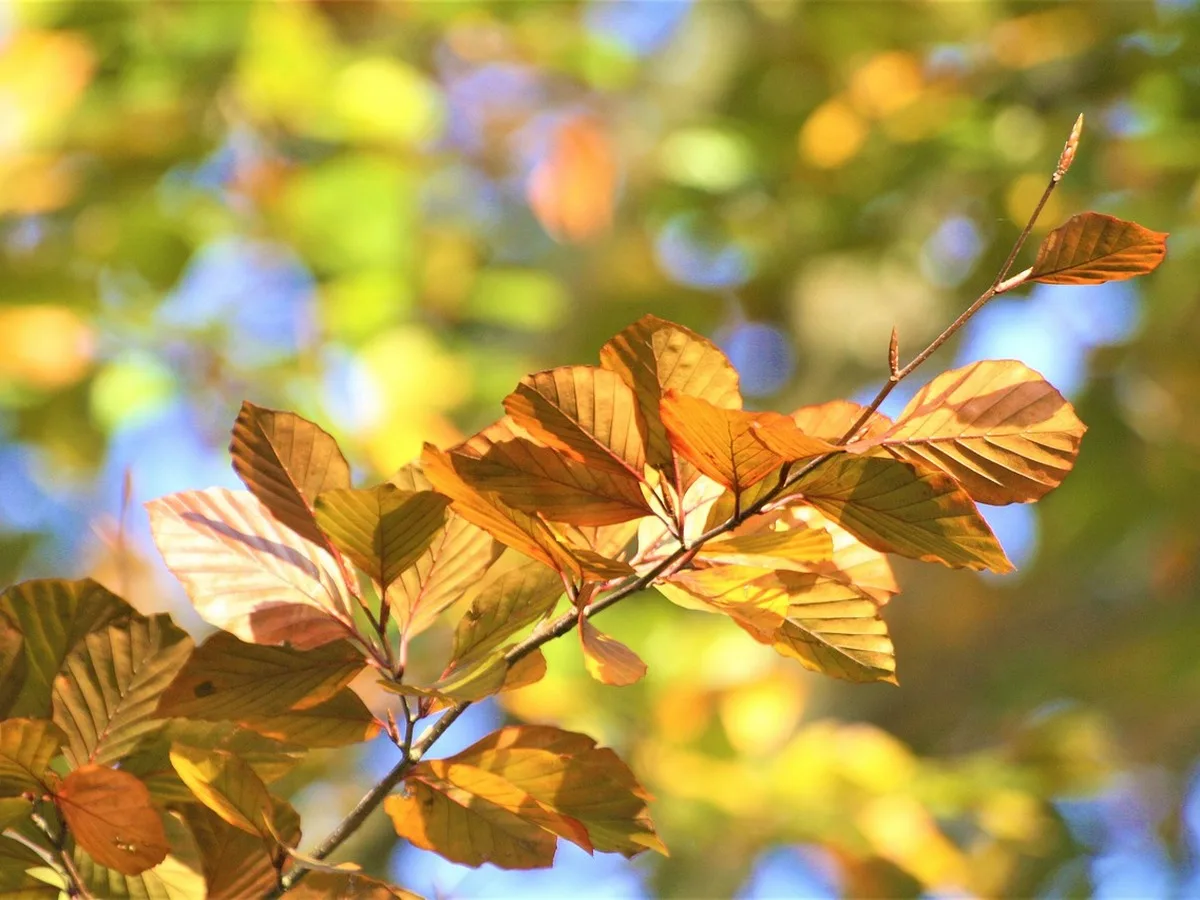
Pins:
x: 1092, y: 248
x: 895, y: 507
x: 383, y: 530
x: 104, y: 700
x: 229, y: 679
x: 26, y: 748
x: 53, y: 615
x: 286, y: 461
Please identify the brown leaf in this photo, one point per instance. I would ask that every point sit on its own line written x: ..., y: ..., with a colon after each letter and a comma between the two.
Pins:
x: 286, y: 461
x: 228, y: 679
x: 996, y: 427
x: 896, y: 507
x: 110, y: 816
x: 550, y: 483
x: 238, y: 865
x: 246, y: 573
x: 383, y: 530
x: 1092, y: 248
x: 607, y: 659
x: 178, y: 877
x: 572, y: 189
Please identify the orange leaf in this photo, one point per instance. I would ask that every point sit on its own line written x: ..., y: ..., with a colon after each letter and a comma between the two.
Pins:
x: 111, y: 817
x: 896, y: 507
x: 783, y: 436
x: 573, y: 187
x: 246, y: 573
x: 237, y: 864
x: 340, y: 720
x: 1092, y: 248
x: 286, y: 461
x: 996, y: 427
x: 798, y: 547
x: 654, y: 356
x: 831, y: 420
x: 587, y: 413
x: 607, y: 659
x: 537, y: 479
x: 725, y: 444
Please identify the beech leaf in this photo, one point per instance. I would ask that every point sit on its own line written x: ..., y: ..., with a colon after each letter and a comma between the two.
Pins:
x: 340, y: 720
x: 104, y: 700
x: 587, y: 413
x: 53, y: 616
x: 110, y: 816
x: 246, y: 573
x: 515, y: 593
x: 229, y: 679
x: 335, y: 885
x: 793, y: 548
x: 286, y: 461
x: 832, y: 419
x: 383, y: 530
x: 654, y: 356
x: 226, y: 785
x: 179, y: 876
x: 1092, y: 248
x: 607, y: 659
x: 238, y: 864
x: 26, y: 748
x: 896, y: 507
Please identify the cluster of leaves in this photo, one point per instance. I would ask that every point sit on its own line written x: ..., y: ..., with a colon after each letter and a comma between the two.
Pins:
x: 134, y: 764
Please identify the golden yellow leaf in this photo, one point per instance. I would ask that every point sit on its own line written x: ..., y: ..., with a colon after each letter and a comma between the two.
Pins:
x: 110, y: 816
x: 607, y: 659
x: 798, y: 547
x: 26, y: 748
x: 227, y: 785
x: 335, y: 722
x: 1092, y: 248
x: 831, y: 420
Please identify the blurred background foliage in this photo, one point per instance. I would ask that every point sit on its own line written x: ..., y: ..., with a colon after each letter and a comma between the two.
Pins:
x: 383, y: 214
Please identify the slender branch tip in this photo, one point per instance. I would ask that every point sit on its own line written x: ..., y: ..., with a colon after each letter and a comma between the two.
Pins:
x: 1068, y: 154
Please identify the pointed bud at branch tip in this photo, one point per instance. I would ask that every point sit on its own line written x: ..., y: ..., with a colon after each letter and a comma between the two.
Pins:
x: 1068, y: 154
x: 894, y: 352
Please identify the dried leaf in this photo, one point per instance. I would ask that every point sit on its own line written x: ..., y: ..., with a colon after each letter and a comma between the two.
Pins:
x: 895, y: 507
x: 228, y: 679
x: 105, y: 698
x: 342, y: 719
x: 996, y: 427
x: 607, y: 659
x: 226, y: 785
x: 53, y: 616
x: 286, y: 461
x: 111, y: 817
x: 572, y: 189
x: 26, y: 748
x: 383, y: 530
x: 1092, y: 248
x: 247, y: 574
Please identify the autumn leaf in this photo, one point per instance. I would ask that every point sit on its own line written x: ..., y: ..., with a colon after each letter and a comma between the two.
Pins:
x: 832, y: 420
x: 1092, y: 248
x: 996, y: 427
x: 110, y: 815
x: 543, y: 481
x: 286, y: 461
x: 515, y: 593
x: 227, y: 678
x: 53, y: 615
x: 896, y: 507
x: 332, y: 885
x: 179, y: 876
x: 729, y: 445
x: 26, y: 748
x: 23, y: 871
x: 798, y: 548
x: 607, y: 659
x: 587, y: 413
x: 340, y: 720
x: 226, y: 785
x: 572, y: 189
x: 104, y: 700
x: 505, y: 799
x: 236, y: 864
x: 13, y: 664
x: 383, y: 530
x: 246, y: 573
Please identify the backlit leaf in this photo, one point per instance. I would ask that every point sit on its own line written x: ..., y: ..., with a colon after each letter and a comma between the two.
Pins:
x: 104, y: 700
x: 383, y: 530
x: 53, y: 615
x: 12, y: 663
x: 1092, y: 248
x: 23, y: 873
x: 832, y: 420
x: 179, y: 876
x: 238, y: 865
x: 226, y: 678
x: 585, y: 412
x: 515, y: 593
x: 541, y: 480
x: 572, y: 189
x: 286, y: 461
x: 794, y: 548
x: 246, y: 573
x: 342, y: 719
x: 996, y: 427
x: 110, y: 816
x: 347, y: 886
x: 26, y: 748
x: 654, y: 356
x: 894, y: 507
x: 607, y: 659
x: 226, y: 785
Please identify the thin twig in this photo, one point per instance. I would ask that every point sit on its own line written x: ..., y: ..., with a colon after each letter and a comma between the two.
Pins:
x: 75, y: 883
x: 683, y: 554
